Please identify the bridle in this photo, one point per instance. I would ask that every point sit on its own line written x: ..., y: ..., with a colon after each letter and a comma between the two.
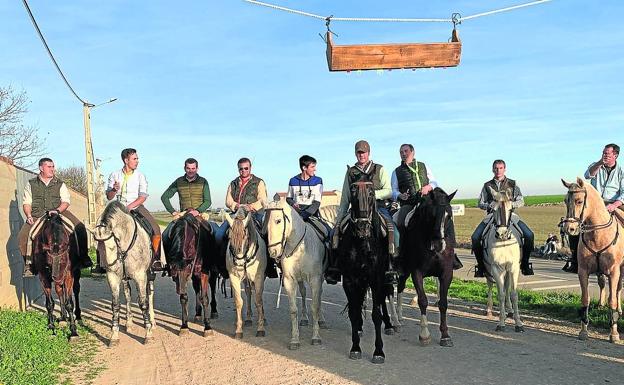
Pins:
x: 365, y: 213
x: 501, y: 219
x: 57, y: 257
x: 246, y: 259
x: 284, y: 239
x: 121, y: 254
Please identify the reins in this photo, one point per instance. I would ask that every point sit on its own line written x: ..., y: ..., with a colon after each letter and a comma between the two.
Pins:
x: 284, y: 239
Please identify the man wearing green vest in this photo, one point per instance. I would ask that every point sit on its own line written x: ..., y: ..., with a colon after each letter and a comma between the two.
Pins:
x: 47, y: 194
x: 193, y: 191
x: 410, y: 181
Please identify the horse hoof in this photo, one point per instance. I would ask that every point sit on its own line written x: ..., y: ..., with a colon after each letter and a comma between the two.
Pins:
x: 208, y: 333
x: 183, y: 331
x: 294, y: 345
x: 113, y: 343
x: 238, y: 336
x: 424, y: 341
x: 260, y: 333
x: 583, y: 335
x: 214, y: 315
x: 389, y: 331
x: 446, y: 342
x: 397, y: 329
x: 316, y: 341
x: 247, y: 322
x: 304, y: 322
x: 323, y: 325
x: 488, y: 313
x: 510, y: 315
x: 519, y: 329
x: 197, y: 318
x: 378, y: 359
x: 614, y: 338
x: 360, y: 333
x: 355, y: 355
x: 73, y: 339
x: 148, y: 340
x: 500, y: 328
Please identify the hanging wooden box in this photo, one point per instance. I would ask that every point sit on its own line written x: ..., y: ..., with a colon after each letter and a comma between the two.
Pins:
x: 392, y: 56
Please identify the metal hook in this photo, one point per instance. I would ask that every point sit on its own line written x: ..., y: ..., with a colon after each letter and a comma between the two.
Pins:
x: 456, y: 19
x: 327, y: 22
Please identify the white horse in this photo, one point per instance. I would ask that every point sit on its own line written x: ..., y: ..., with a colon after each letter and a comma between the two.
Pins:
x: 128, y: 256
x: 502, y: 254
x: 246, y: 261
x: 301, y: 252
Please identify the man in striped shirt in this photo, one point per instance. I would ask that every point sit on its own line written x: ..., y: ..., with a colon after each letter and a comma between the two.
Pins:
x: 306, y: 189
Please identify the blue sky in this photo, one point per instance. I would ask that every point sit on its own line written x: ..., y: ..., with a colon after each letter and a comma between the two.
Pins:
x: 540, y: 87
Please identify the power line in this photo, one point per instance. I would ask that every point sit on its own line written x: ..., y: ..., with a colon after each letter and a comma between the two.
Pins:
x: 32, y: 18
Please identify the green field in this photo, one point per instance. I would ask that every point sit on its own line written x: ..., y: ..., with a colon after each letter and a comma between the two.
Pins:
x: 531, y: 200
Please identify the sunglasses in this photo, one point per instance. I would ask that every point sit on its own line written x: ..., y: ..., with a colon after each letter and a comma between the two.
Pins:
x: 243, y: 168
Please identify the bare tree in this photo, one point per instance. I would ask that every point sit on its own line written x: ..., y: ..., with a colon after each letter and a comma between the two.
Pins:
x: 18, y: 142
x: 74, y: 176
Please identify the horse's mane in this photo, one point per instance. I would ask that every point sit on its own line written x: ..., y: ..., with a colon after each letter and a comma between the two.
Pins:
x: 237, y: 234
x: 111, y: 210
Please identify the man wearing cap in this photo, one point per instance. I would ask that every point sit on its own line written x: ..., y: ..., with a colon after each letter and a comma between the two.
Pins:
x: 363, y: 168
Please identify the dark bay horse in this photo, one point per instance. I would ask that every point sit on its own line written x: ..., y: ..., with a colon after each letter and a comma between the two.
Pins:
x: 363, y: 258
x: 428, y: 249
x: 191, y: 252
x: 56, y: 260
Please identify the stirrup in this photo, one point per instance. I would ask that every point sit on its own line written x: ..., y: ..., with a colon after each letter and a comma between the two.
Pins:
x: 332, y: 276
x: 27, y: 271
x: 391, y: 278
x: 157, y: 266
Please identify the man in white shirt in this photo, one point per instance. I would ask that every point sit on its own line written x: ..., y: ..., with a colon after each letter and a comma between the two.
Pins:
x: 129, y: 187
x: 43, y: 194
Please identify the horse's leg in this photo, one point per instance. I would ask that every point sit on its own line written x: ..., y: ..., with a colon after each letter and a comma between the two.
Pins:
x: 197, y: 288
x: 602, y: 283
x: 490, y: 301
x: 182, y: 283
x: 68, y: 288
x: 425, y: 335
x: 322, y: 323
x: 76, y: 290
x: 445, y: 283
x: 379, y: 298
x: 304, y: 321
x: 212, y: 281
x: 316, y: 285
x: 513, y: 293
x: 150, y: 301
x: 499, y: 277
x: 259, y: 289
x: 355, y: 303
x: 399, y: 300
x: 584, y: 311
x: 128, y: 295
x: 144, y: 303
x: 385, y: 317
x: 248, y: 313
x: 291, y: 291
x: 205, y: 299
x: 113, y: 283
x: 60, y: 293
x: 614, y: 283
x: 392, y: 309
x: 235, y: 286
x: 47, y: 290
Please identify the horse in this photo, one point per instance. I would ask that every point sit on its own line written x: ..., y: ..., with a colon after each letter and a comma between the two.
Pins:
x: 128, y: 256
x: 428, y: 250
x: 600, y: 249
x: 191, y: 252
x: 362, y: 260
x: 301, y: 251
x: 246, y: 261
x: 55, y: 260
x: 501, y: 254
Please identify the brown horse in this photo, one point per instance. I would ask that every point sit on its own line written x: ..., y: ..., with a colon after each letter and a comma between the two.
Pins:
x: 55, y: 260
x: 600, y: 248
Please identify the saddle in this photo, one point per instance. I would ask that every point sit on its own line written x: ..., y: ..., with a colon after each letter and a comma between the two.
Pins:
x: 36, y: 228
x: 142, y: 221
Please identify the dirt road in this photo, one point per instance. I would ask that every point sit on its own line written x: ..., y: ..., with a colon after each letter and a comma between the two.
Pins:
x: 547, y: 353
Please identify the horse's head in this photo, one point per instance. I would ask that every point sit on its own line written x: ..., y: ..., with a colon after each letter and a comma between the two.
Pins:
x: 442, y: 213
x: 241, y: 229
x: 54, y: 240
x: 278, y: 225
x: 363, y: 206
x: 105, y: 227
x: 502, y: 213
x: 576, y: 202
x: 184, y: 235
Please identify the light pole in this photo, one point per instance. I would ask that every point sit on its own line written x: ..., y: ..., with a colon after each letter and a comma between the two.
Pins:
x: 91, y: 201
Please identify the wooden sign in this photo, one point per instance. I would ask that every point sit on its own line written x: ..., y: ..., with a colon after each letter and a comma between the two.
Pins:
x: 393, y: 56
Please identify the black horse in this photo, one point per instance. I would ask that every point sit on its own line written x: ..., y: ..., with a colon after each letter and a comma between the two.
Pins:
x: 191, y: 252
x: 363, y: 259
x: 56, y: 260
x: 428, y: 249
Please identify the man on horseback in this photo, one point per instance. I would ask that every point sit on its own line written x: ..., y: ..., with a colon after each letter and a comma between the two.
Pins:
x: 129, y: 186
x: 47, y: 194
x: 248, y: 192
x: 411, y: 181
x: 607, y: 176
x: 364, y: 168
x: 306, y: 189
x: 486, y: 202
x: 193, y: 191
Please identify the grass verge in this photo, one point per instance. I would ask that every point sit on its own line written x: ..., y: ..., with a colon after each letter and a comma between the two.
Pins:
x: 560, y: 305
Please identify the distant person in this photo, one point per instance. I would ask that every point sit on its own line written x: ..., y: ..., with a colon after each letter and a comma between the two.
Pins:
x: 550, y: 246
x: 486, y: 202
x: 607, y: 176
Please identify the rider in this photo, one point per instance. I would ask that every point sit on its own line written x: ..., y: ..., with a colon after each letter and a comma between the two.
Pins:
x: 410, y: 182
x: 607, y: 176
x: 248, y: 192
x: 306, y: 189
x: 46, y: 193
x: 486, y: 202
x: 129, y: 186
x: 364, y: 167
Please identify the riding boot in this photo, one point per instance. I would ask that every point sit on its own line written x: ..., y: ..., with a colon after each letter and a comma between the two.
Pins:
x: 526, y: 267
x: 270, y: 271
x: 28, y: 272
x: 156, y: 264
x: 80, y: 235
x: 332, y: 274
x: 457, y: 263
x: 572, y: 265
x: 480, y: 269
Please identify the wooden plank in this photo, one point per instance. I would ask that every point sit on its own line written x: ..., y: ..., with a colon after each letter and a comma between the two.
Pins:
x: 393, y: 56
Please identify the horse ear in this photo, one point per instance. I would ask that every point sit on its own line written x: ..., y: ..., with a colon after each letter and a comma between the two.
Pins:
x: 580, y: 182
x: 566, y: 184
x: 276, y: 197
x: 246, y: 220
x: 450, y: 197
x: 493, y: 192
x: 227, y: 217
